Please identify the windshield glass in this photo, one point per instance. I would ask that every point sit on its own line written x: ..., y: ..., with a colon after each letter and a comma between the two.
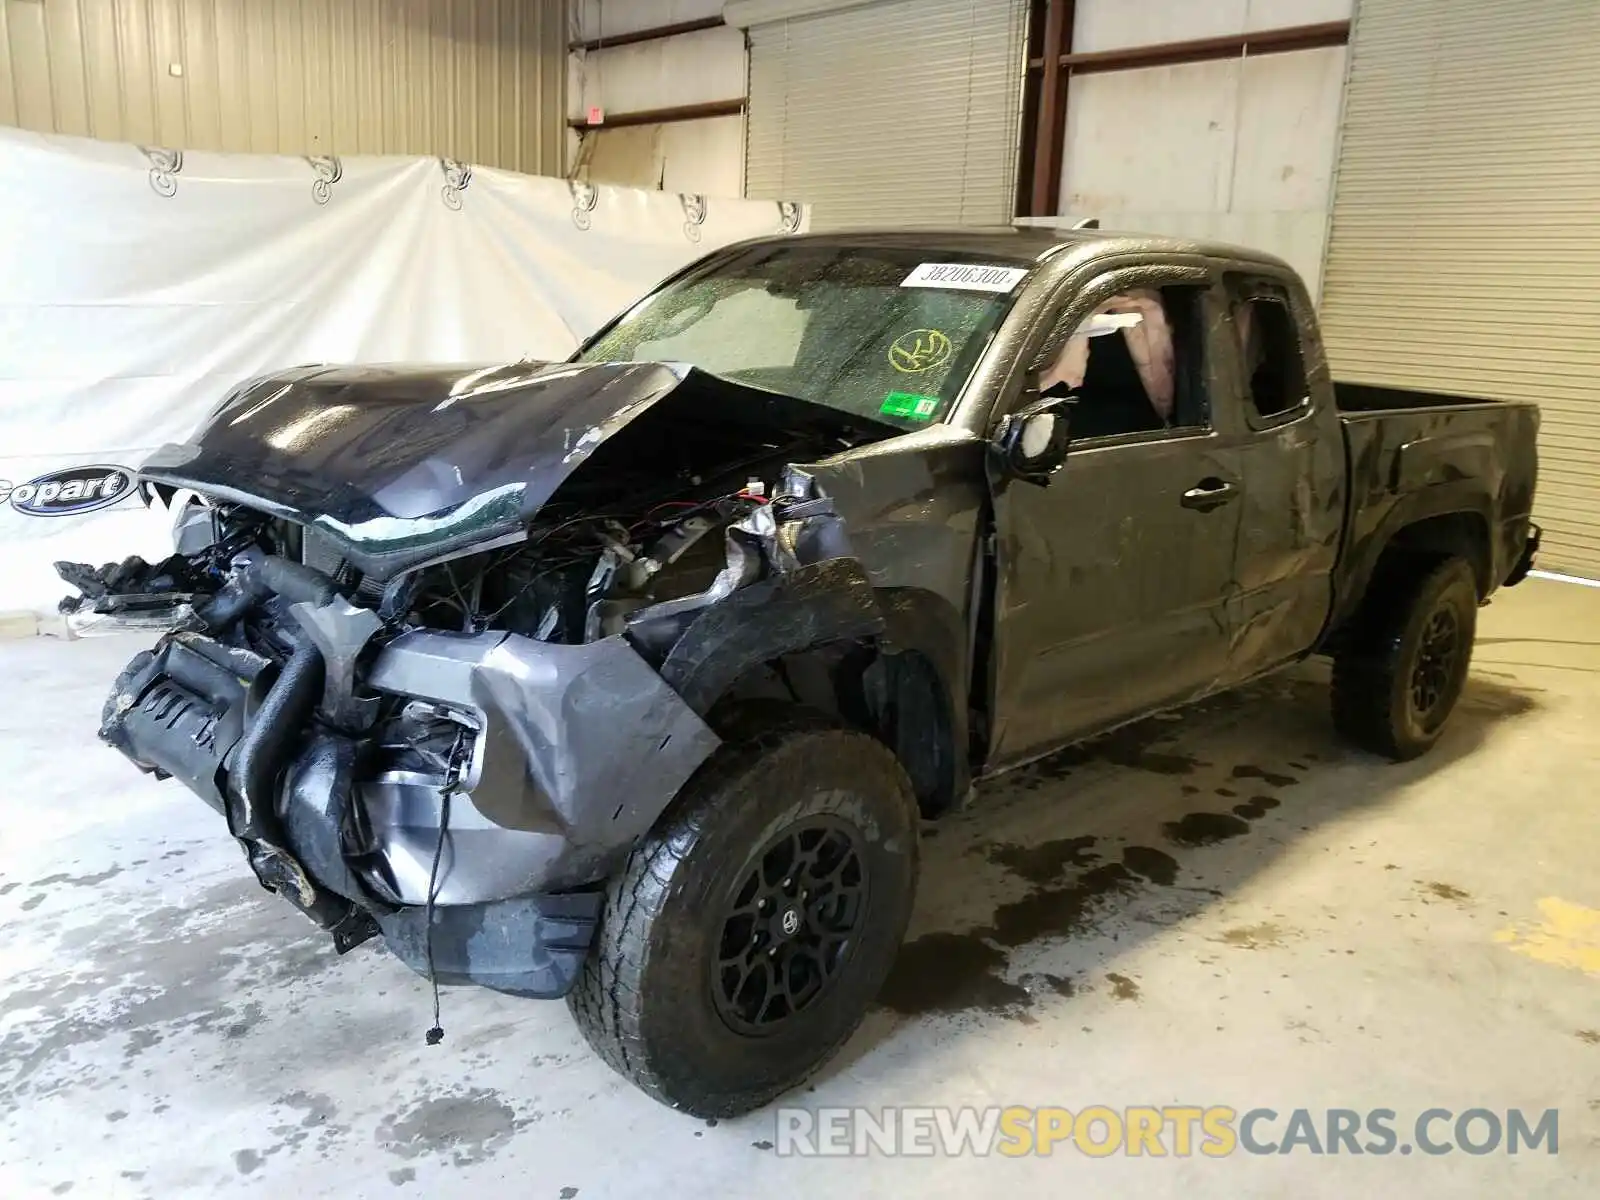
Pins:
x: 882, y: 333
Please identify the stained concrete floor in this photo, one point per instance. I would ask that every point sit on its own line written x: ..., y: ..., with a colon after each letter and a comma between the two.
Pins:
x: 1224, y: 908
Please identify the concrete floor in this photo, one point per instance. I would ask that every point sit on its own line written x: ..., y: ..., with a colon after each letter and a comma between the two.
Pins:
x: 1363, y: 935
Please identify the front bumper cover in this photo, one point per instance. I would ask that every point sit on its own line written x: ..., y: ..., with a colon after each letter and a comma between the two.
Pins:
x: 579, y: 749
x: 530, y: 946
x: 576, y: 750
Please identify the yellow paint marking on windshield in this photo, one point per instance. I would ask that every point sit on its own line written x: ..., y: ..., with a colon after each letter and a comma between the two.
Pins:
x: 1569, y: 936
x: 920, y: 350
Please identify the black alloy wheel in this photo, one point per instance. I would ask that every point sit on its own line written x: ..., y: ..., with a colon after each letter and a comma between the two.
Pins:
x: 792, y: 925
x: 1437, y: 660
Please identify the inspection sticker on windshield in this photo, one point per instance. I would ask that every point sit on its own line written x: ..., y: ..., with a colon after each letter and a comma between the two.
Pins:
x: 968, y: 277
x: 910, y: 406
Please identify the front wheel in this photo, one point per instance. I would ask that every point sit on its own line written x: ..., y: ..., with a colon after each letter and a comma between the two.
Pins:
x: 1397, y: 680
x: 742, y: 943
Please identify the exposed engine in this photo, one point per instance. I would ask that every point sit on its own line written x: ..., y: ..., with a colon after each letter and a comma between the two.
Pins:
x: 335, y: 719
x: 580, y: 575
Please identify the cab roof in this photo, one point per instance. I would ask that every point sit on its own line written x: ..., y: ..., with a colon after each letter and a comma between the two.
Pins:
x: 1027, y: 244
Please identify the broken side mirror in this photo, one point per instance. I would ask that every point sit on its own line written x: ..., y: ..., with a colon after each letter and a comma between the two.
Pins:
x: 1032, y: 442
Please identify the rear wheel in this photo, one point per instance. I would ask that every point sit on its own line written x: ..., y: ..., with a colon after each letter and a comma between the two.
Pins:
x: 1397, y: 680
x: 744, y: 940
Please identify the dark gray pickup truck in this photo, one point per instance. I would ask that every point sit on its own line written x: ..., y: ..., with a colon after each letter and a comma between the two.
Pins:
x: 629, y: 680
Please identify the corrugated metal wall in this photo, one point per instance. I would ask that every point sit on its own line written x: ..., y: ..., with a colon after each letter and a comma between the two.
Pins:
x: 900, y: 111
x: 1466, y: 226
x: 479, y: 80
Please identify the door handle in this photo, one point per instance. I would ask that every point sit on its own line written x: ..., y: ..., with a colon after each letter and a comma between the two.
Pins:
x: 1209, y: 493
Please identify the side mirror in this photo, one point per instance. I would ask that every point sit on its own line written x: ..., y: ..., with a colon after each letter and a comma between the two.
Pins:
x: 1031, y: 443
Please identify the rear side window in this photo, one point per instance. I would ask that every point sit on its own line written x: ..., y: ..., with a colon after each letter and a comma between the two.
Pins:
x: 1273, y: 372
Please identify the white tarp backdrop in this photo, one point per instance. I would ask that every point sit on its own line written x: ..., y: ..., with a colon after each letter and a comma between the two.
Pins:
x: 137, y: 285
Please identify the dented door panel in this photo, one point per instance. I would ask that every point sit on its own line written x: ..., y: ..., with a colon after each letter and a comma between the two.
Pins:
x: 1291, y: 518
x: 1111, y: 595
x: 1293, y: 497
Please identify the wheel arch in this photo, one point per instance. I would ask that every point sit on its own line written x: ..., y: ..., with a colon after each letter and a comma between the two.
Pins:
x: 1461, y: 534
x: 1436, y: 523
x: 887, y: 661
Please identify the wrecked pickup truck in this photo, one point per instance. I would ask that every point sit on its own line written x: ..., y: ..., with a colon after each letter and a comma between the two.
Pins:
x: 629, y: 680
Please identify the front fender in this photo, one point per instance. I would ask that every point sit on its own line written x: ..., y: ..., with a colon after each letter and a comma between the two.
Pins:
x: 829, y: 601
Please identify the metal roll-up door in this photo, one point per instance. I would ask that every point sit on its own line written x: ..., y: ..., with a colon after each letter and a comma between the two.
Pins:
x: 897, y: 112
x: 1464, y: 253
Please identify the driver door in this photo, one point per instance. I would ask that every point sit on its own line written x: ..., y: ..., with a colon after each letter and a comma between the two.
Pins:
x: 1114, y: 580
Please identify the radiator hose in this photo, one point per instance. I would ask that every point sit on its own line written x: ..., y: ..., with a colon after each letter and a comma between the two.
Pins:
x: 261, y: 753
x: 295, y: 582
x: 269, y: 576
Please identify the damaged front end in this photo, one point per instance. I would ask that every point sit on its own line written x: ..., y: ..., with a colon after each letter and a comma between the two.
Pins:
x: 452, y: 740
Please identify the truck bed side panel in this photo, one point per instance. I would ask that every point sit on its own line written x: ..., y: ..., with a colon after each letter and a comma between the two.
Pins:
x: 1407, y: 465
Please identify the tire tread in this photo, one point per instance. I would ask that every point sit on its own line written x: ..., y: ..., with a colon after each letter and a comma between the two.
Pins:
x: 1365, y: 670
x: 609, y: 998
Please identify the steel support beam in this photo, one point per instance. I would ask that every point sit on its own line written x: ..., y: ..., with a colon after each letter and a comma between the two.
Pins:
x: 663, y: 116
x: 653, y: 34
x: 1044, y: 117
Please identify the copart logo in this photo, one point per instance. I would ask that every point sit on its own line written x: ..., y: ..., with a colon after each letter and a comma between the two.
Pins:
x: 68, y: 492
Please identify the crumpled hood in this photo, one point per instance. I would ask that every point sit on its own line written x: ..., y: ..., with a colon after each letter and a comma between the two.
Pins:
x: 401, y: 465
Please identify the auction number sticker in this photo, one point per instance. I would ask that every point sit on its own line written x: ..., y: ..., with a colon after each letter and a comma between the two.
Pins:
x: 967, y: 277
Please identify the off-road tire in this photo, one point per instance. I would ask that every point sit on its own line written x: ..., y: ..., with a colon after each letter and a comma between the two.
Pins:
x: 1375, y: 670
x: 645, y: 999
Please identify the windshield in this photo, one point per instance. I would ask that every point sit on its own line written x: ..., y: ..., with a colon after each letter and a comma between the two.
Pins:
x: 882, y: 333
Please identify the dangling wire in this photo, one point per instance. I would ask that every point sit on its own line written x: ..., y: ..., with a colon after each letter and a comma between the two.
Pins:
x: 436, y: 1034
